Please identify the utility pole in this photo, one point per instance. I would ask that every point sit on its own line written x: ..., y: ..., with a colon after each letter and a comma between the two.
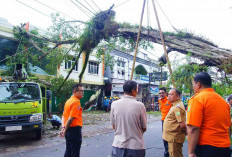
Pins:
x: 138, y: 36
x: 162, y: 39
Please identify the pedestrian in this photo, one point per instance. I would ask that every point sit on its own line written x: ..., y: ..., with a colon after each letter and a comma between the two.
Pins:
x: 106, y: 105
x: 55, y: 120
x: 229, y: 99
x: 129, y: 120
x: 208, y: 120
x: 175, y: 128
x: 72, y: 122
x: 165, y: 106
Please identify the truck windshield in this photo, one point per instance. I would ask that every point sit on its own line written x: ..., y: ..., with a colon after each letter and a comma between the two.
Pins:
x: 19, y: 92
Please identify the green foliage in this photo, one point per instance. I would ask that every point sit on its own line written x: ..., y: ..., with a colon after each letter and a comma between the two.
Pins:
x: 59, y: 26
x: 179, y: 34
x: 184, y: 74
x: 223, y: 88
x: 99, y: 28
x: 27, y: 53
x: 128, y: 25
x: 129, y: 42
x: 184, y: 33
x: 65, y: 92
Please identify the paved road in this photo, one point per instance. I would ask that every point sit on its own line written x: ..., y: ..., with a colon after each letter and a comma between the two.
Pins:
x: 100, y: 145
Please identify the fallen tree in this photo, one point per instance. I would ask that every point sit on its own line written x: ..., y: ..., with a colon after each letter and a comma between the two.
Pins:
x: 103, y: 27
x: 186, y: 43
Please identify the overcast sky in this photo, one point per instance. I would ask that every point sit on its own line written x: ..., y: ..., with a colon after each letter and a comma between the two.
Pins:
x: 209, y: 18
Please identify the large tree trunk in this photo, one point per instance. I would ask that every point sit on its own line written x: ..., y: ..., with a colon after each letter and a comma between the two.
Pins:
x: 184, y: 43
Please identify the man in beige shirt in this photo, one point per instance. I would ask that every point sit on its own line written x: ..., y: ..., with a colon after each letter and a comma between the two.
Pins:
x: 175, y: 124
x: 129, y: 121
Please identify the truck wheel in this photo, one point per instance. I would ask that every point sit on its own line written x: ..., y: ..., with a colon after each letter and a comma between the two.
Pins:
x: 38, y: 134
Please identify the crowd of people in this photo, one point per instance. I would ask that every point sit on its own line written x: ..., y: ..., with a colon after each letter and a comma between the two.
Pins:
x: 206, y: 123
x: 107, y: 103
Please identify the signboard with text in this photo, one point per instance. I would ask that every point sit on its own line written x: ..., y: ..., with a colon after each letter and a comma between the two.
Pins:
x: 144, y: 78
x: 156, y: 76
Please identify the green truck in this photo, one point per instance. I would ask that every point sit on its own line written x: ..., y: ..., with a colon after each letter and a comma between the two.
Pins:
x: 22, y: 105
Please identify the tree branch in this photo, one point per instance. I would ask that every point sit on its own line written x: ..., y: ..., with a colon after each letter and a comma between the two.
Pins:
x: 57, y: 42
x: 70, y: 71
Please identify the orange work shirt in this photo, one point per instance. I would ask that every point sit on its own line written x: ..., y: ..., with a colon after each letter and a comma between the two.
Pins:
x: 165, y: 106
x: 211, y: 113
x: 73, y: 108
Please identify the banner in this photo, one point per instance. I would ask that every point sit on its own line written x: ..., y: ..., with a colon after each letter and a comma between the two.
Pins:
x: 154, y: 90
x: 144, y: 78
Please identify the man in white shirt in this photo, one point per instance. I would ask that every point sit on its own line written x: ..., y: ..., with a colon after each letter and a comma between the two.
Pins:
x: 129, y: 121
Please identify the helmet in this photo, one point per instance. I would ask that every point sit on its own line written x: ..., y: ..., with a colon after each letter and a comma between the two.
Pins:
x: 110, y: 98
x: 105, y: 97
x: 116, y: 97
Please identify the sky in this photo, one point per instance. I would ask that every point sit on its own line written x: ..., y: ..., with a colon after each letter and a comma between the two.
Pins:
x: 209, y: 18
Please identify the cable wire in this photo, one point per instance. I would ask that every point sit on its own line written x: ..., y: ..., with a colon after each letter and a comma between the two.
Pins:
x: 166, y: 17
x: 85, y: 7
x: 90, y: 6
x: 87, y: 14
x: 96, y: 5
x: 54, y: 9
x: 122, y: 3
x: 33, y: 8
x: 148, y: 20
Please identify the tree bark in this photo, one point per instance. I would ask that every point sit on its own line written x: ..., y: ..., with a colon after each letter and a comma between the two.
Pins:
x: 185, y: 44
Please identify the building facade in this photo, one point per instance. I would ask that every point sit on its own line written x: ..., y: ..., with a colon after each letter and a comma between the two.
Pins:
x: 122, y: 71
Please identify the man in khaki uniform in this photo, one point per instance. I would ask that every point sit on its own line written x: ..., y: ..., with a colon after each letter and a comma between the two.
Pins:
x: 174, y: 124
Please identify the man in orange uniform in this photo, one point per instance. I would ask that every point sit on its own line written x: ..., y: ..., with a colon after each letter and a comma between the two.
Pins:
x: 165, y: 106
x: 72, y: 122
x: 208, y: 120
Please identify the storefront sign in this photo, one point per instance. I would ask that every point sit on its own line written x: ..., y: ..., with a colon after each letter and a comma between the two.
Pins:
x: 154, y: 89
x: 144, y: 78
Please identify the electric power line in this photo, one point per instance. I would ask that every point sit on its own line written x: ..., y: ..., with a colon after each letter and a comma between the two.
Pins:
x: 73, y: 11
x: 96, y: 5
x: 148, y: 20
x: 90, y: 6
x: 166, y: 17
x: 33, y: 8
x: 87, y: 14
x: 121, y: 3
x: 53, y: 9
x: 85, y: 7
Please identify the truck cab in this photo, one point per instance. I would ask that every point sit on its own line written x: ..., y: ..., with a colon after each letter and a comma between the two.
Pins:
x: 21, y: 108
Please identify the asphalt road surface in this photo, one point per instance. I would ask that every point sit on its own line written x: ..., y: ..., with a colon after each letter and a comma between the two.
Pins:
x: 100, y: 145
